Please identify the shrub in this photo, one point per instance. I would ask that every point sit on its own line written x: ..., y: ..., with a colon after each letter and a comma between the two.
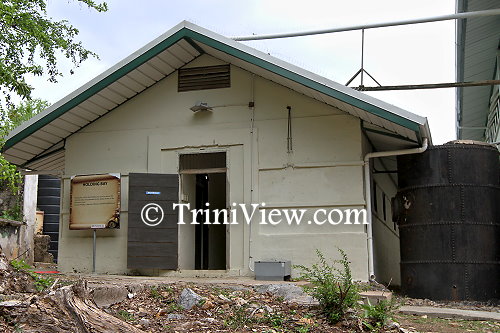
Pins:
x: 377, y: 315
x: 332, y: 285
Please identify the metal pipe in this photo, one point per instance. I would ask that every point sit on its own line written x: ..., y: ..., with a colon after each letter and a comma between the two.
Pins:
x: 362, y: 54
x: 431, y: 85
x: 252, y: 165
x: 368, y: 195
x: 490, y: 12
x: 93, y: 252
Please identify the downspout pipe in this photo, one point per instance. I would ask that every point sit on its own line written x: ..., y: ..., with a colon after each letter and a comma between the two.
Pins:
x: 368, y: 195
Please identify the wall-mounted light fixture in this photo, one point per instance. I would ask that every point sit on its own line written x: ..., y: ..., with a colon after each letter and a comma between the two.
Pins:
x: 200, y: 106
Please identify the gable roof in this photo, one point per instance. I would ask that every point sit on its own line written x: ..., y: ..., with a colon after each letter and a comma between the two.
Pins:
x: 38, y: 144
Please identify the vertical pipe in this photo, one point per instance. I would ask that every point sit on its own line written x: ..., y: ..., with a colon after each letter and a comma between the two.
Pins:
x: 362, y: 54
x: 368, y: 196
x: 252, y: 165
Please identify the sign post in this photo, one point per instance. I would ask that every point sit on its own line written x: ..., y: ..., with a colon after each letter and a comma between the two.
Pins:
x: 94, y: 228
x: 93, y: 252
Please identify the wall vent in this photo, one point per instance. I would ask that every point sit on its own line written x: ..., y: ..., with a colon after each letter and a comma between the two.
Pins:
x: 199, y: 78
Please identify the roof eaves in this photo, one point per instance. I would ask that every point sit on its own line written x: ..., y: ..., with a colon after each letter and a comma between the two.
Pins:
x: 95, y: 85
x: 190, y: 32
x: 460, y: 28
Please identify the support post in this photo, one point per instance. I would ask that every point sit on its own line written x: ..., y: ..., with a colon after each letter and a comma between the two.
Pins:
x: 94, y: 250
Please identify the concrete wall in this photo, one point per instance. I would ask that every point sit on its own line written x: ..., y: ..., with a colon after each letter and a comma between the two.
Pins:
x: 149, y: 132
x: 10, y: 238
x: 17, y: 237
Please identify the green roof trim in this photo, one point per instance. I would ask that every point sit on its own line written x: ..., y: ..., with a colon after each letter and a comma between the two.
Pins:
x: 190, y: 36
x: 124, y: 70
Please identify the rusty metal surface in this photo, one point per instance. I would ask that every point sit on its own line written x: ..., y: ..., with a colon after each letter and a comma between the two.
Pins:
x: 448, y: 211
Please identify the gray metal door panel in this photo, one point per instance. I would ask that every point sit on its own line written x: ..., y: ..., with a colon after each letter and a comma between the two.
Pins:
x: 152, y: 234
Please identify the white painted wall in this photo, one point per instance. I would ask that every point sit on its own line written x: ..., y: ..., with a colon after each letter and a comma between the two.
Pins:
x: 147, y: 134
x: 29, y: 212
x: 385, y: 233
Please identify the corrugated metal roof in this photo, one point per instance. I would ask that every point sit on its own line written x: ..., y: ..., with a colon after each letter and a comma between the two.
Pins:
x: 38, y: 144
x: 477, y: 47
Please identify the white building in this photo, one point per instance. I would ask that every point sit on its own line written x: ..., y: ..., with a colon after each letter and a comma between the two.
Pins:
x: 275, y: 134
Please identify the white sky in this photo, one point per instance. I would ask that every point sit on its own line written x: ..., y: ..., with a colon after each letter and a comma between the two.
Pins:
x: 415, y: 54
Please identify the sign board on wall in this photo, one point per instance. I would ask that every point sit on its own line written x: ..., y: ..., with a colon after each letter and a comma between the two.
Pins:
x: 95, y: 202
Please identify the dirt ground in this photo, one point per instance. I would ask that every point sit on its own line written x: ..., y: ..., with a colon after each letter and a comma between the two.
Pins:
x: 232, y: 305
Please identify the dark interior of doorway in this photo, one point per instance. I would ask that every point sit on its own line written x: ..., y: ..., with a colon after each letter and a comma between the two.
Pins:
x: 210, y: 239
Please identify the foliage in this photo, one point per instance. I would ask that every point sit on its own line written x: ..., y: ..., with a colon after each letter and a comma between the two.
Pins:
x: 239, y: 318
x: 161, y: 292
x: 377, y: 315
x: 125, y: 315
x: 154, y: 292
x: 41, y: 283
x: 332, y: 285
x: 10, y: 178
x: 275, y: 319
x: 14, y: 213
x: 15, y: 115
x: 30, y: 43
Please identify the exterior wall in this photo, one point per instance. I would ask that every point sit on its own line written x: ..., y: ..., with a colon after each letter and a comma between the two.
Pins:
x: 386, y: 232
x: 149, y: 132
x: 492, y: 133
x: 17, y: 237
x: 10, y: 238
x: 386, y: 251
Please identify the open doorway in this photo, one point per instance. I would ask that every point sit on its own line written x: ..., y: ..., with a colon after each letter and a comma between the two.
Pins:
x: 204, y: 186
x: 210, y: 239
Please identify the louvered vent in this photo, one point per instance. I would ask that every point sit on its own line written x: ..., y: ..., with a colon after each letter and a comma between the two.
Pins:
x: 199, y: 78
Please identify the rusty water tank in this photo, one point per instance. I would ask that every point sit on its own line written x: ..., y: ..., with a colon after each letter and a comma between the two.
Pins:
x: 448, y: 211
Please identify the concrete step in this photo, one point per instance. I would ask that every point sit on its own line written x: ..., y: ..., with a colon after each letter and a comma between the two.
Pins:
x: 449, y: 313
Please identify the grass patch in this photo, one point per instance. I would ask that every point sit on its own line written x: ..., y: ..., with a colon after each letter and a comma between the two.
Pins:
x: 41, y: 282
x: 239, y: 318
x: 125, y: 315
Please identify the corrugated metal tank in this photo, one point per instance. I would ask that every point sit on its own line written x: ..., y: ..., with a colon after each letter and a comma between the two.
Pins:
x: 448, y: 211
x: 48, y: 200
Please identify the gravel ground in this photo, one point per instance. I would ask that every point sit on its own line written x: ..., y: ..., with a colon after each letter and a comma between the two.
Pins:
x: 223, y: 309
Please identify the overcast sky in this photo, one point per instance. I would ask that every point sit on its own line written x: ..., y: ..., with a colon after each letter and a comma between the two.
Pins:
x: 414, y: 54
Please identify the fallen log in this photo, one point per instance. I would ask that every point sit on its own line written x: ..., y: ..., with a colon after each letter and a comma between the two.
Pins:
x: 70, y: 309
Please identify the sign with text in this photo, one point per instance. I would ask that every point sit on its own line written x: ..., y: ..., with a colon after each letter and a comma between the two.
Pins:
x: 95, y: 202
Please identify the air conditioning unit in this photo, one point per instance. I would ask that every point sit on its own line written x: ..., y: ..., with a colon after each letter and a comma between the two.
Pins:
x: 273, y: 270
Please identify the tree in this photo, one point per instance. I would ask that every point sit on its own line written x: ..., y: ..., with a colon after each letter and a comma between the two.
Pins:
x: 10, y: 178
x: 16, y: 115
x: 30, y: 43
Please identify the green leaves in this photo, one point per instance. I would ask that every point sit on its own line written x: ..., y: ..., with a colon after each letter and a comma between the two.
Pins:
x: 10, y: 118
x: 332, y: 285
x: 41, y: 283
x: 30, y: 43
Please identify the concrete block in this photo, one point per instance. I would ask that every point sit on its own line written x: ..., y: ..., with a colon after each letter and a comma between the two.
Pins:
x: 375, y: 296
x: 109, y: 295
